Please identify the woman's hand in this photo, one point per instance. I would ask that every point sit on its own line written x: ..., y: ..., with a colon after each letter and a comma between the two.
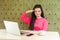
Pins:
x: 29, y: 11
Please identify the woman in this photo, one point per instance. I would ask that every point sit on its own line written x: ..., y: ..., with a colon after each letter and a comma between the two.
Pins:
x: 37, y: 21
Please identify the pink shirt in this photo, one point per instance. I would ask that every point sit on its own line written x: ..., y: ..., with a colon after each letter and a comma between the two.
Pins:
x: 40, y: 23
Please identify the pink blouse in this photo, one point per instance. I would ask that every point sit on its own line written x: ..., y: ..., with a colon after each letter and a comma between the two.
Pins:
x: 40, y: 23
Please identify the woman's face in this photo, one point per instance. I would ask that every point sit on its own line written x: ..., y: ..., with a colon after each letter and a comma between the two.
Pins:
x: 37, y: 12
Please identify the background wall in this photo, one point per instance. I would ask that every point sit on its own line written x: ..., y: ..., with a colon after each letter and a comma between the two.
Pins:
x: 12, y: 9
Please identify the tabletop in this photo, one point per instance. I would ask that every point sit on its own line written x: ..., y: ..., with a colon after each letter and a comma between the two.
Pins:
x: 50, y: 35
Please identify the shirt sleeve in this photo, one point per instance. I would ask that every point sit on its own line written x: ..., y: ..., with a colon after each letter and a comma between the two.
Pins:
x: 45, y: 25
x: 24, y: 18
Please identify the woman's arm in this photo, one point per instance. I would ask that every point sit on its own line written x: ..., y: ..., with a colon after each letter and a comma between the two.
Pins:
x: 24, y: 17
x: 45, y: 27
x: 29, y: 11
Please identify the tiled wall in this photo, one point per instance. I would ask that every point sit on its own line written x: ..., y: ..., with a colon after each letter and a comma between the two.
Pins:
x: 12, y: 9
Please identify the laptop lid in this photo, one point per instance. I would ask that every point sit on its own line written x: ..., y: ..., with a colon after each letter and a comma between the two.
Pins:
x: 12, y: 27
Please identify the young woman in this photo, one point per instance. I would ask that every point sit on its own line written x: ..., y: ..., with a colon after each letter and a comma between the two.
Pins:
x: 37, y: 21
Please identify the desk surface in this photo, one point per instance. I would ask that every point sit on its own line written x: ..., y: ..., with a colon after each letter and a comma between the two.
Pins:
x: 50, y: 35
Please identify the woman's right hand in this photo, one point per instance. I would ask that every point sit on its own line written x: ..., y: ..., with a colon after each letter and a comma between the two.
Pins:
x: 29, y: 11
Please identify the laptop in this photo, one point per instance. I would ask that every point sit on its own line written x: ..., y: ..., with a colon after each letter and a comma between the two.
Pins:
x: 12, y: 27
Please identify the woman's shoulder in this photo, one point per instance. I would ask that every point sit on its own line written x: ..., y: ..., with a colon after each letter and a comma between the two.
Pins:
x: 44, y: 19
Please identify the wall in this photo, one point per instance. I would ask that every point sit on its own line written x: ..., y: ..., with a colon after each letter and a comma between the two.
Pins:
x: 12, y: 9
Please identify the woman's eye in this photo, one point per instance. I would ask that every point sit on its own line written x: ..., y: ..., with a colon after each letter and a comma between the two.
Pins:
x: 35, y: 11
x: 38, y: 11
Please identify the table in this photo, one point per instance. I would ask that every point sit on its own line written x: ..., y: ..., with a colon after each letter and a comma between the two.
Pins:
x: 50, y: 35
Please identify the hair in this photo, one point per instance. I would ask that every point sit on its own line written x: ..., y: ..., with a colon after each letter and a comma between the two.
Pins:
x: 33, y: 17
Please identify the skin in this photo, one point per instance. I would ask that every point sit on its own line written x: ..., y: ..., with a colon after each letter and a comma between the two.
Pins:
x: 37, y: 12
